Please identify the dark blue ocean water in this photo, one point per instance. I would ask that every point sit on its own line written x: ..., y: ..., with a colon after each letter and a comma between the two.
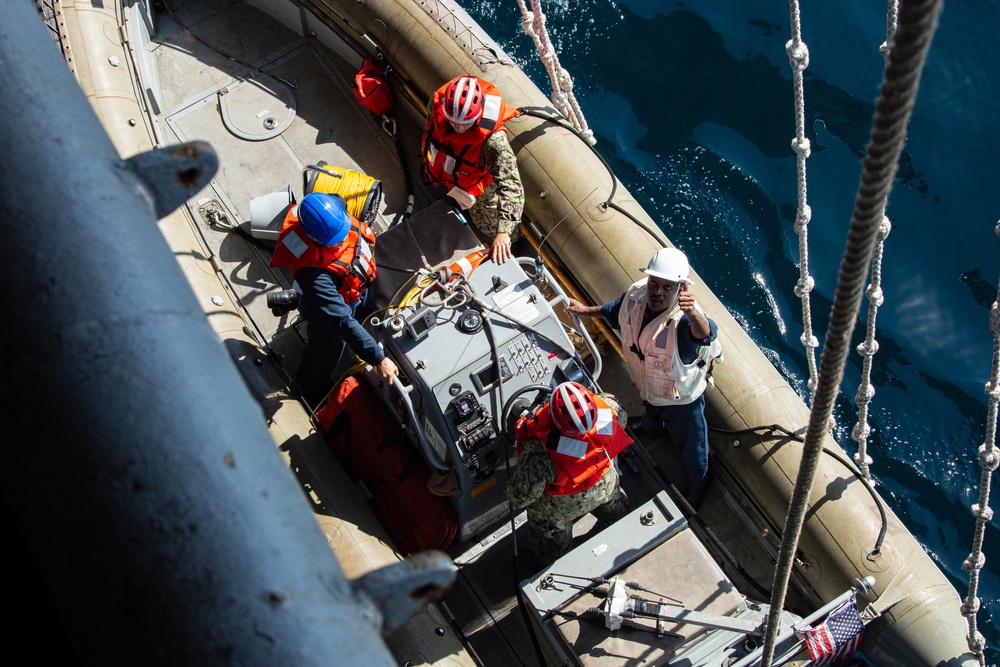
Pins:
x: 692, y: 106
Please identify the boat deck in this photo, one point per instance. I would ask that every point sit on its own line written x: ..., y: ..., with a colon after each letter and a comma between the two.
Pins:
x: 271, y: 103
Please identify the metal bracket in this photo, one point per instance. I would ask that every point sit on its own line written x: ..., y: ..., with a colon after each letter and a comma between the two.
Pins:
x: 174, y: 174
x: 403, y: 589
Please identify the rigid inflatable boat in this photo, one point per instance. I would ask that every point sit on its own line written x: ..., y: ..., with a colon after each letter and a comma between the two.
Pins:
x: 267, y: 84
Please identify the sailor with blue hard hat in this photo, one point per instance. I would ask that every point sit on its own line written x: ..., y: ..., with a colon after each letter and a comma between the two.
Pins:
x: 331, y: 255
x: 324, y: 218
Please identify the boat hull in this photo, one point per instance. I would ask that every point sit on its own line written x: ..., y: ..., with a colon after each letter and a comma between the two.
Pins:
x: 566, y: 186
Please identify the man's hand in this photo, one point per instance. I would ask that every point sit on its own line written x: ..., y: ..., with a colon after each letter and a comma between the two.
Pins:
x: 500, y: 250
x: 387, y: 370
x: 685, y: 299
x: 575, y: 307
x: 700, y: 328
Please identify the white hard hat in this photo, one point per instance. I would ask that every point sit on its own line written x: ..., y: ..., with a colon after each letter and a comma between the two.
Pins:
x: 669, y: 264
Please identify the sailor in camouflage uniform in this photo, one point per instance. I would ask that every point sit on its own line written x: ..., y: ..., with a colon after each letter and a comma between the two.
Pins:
x: 465, y: 148
x: 565, y: 467
x: 498, y: 210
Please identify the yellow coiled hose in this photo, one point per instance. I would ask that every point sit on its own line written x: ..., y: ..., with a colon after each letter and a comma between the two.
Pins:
x: 357, y: 189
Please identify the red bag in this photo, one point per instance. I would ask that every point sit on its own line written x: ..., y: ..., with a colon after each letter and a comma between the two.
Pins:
x: 374, y: 451
x: 371, y: 89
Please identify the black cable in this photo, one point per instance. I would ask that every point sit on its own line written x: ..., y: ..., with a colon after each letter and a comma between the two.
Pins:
x: 609, y: 203
x: 453, y: 622
x: 877, y: 549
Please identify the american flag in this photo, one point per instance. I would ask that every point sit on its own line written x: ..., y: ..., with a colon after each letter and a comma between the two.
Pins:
x: 837, y: 637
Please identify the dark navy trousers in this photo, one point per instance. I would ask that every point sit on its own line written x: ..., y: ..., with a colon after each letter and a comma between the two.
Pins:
x: 687, y: 428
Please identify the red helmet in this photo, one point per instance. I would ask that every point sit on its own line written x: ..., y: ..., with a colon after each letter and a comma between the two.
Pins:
x: 573, y: 409
x: 463, y: 100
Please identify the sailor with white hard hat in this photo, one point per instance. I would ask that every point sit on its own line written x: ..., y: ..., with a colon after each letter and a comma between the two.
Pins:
x: 669, y: 345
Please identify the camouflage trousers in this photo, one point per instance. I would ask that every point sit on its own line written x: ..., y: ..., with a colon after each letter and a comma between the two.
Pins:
x: 551, y: 518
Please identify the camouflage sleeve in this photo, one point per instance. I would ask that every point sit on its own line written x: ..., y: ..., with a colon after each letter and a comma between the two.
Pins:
x: 534, y: 470
x: 510, y: 192
x: 619, y: 409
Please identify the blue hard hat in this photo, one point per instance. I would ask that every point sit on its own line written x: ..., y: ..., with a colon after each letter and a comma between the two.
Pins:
x: 324, y: 218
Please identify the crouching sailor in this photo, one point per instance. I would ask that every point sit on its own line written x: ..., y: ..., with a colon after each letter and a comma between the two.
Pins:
x: 331, y: 257
x: 565, y: 467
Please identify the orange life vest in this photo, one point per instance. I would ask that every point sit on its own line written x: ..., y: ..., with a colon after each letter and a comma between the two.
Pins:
x: 352, y: 261
x: 452, y: 158
x: 579, y: 463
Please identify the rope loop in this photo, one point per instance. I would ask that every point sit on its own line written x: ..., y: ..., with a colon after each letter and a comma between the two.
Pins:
x: 992, y: 392
x: 797, y: 56
x: 810, y: 342
x: 875, y: 295
x: 974, y: 562
x: 868, y: 348
x: 982, y: 512
x: 862, y: 460
x: 804, y: 286
x: 389, y: 125
x: 970, y: 607
x: 803, y: 147
x: 802, y: 218
x: 989, y: 458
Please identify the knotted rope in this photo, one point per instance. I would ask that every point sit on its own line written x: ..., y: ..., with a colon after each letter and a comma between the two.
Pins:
x: 533, y: 23
x: 798, y: 57
x: 989, y: 458
x: 875, y: 296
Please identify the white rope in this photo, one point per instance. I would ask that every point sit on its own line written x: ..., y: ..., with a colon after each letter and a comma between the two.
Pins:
x: 989, y: 457
x: 890, y: 27
x: 798, y: 57
x: 533, y: 24
x: 868, y: 349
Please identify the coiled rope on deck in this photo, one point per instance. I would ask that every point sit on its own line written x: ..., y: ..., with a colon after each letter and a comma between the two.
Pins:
x: 900, y: 82
x: 533, y: 24
x: 989, y: 458
x: 356, y: 188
